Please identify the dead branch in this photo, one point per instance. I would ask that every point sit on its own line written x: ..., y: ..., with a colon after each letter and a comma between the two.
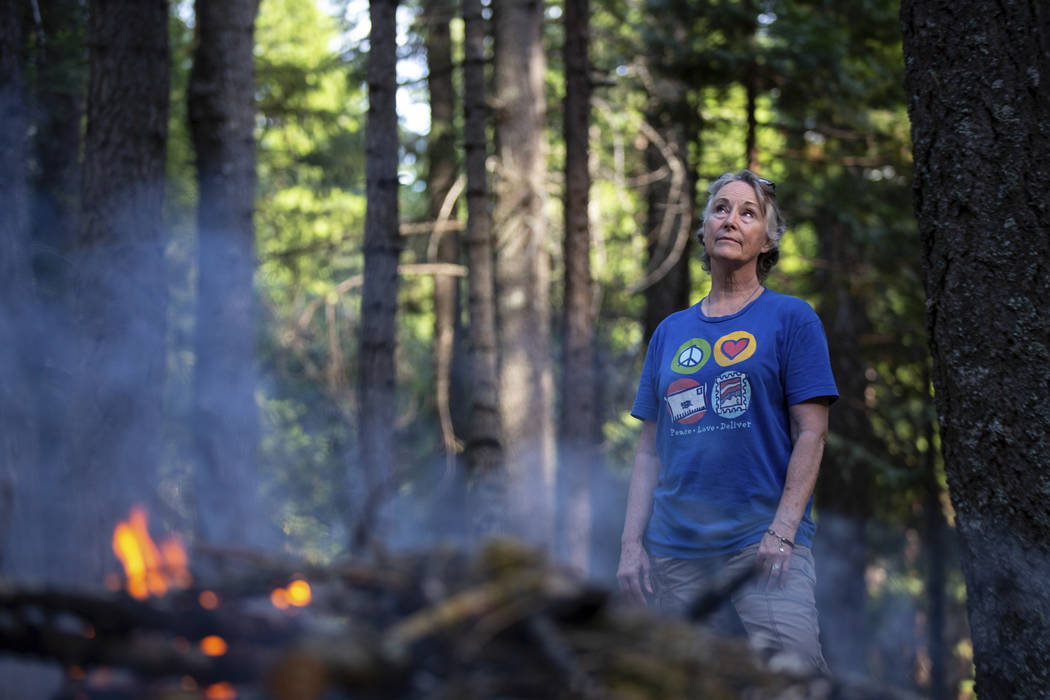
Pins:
x: 432, y: 625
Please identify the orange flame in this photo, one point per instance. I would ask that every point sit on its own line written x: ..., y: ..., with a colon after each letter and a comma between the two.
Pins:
x: 149, y: 569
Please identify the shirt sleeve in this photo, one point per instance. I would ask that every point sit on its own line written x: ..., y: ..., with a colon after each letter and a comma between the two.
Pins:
x: 646, y: 404
x: 807, y: 365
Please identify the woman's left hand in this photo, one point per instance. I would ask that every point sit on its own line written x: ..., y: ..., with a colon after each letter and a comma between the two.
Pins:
x: 774, y: 561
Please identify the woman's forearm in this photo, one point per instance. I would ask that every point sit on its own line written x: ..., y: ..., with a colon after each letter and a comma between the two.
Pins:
x: 809, y: 431
x: 644, y: 477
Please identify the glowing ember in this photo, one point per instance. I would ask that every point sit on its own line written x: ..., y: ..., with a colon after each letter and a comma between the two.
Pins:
x: 299, y: 593
x: 279, y: 598
x: 220, y: 691
x: 296, y: 594
x: 149, y: 569
x: 213, y: 645
x: 208, y: 600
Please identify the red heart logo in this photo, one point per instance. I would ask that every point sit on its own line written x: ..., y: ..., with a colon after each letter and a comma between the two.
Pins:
x: 732, y: 348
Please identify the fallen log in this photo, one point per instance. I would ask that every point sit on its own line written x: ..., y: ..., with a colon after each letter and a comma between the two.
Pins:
x: 505, y: 624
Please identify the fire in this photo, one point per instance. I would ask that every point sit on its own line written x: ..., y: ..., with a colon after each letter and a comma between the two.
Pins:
x: 150, y: 569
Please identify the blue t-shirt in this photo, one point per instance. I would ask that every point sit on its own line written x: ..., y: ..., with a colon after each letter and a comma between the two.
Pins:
x: 718, y: 389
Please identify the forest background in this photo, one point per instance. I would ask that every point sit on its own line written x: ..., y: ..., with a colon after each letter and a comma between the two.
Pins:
x: 808, y: 94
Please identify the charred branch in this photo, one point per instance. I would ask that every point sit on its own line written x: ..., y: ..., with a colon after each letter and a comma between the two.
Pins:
x: 505, y: 623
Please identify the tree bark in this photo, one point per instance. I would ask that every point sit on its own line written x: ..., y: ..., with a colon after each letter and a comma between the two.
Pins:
x: 60, y: 83
x: 441, y: 155
x: 579, y: 435
x: 978, y: 109
x: 522, y: 268
x: 382, y: 247
x: 937, y: 546
x: 115, y: 418
x: 225, y: 420
x: 669, y: 216
x: 18, y: 445
x: 484, y: 448
x: 844, y: 490
x: 751, y: 88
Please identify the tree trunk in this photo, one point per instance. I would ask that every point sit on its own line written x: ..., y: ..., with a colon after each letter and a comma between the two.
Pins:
x: 441, y: 155
x: 115, y: 417
x: 979, y: 110
x: 382, y: 247
x: 669, y: 202
x: 522, y: 268
x: 18, y: 446
x: 844, y: 489
x: 60, y: 57
x: 751, y: 88
x: 484, y: 451
x: 937, y: 546
x: 61, y: 80
x: 579, y: 436
x: 225, y: 422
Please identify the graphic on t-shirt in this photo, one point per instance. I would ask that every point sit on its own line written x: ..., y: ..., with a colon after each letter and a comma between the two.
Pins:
x: 691, y: 356
x: 686, y: 400
x: 734, y: 347
x: 731, y: 394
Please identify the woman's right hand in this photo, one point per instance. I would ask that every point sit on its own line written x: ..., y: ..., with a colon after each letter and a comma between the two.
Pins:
x: 633, y: 573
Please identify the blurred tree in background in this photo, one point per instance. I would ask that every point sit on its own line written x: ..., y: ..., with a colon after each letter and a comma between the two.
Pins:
x: 678, y: 92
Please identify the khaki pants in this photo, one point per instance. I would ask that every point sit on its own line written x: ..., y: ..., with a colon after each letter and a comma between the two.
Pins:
x: 778, y: 620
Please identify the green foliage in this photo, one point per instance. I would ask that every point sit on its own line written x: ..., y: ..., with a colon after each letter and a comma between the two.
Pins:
x: 309, y: 226
x: 832, y: 131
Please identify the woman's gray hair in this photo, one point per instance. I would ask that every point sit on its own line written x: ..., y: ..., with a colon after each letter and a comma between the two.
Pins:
x: 765, y: 191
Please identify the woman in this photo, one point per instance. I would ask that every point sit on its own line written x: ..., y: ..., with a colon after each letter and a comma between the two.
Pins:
x: 734, y: 397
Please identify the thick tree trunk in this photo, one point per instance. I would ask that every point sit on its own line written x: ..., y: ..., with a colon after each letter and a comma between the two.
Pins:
x: 522, y: 268
x: 937, y: 548
x: 441, y: 155
x: 18, y: 445
x: 484, y: 451
x: 115, y: 417
x: 979, y: 107
x: 226, y: 422
x: 61, y: 80
x: 579, y: 437
x: 60, y: 57
x: 382, y: 247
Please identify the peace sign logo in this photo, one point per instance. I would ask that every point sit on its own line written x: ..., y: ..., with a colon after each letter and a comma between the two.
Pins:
x: 691, y: 356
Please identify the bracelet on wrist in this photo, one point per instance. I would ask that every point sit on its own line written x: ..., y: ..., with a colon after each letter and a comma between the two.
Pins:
x: 783, y: 540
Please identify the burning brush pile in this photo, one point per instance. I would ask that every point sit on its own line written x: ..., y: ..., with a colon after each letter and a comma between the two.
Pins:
x: 439, y: 624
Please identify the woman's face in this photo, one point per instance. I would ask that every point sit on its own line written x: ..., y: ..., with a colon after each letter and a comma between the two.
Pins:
x: 735, y: 230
